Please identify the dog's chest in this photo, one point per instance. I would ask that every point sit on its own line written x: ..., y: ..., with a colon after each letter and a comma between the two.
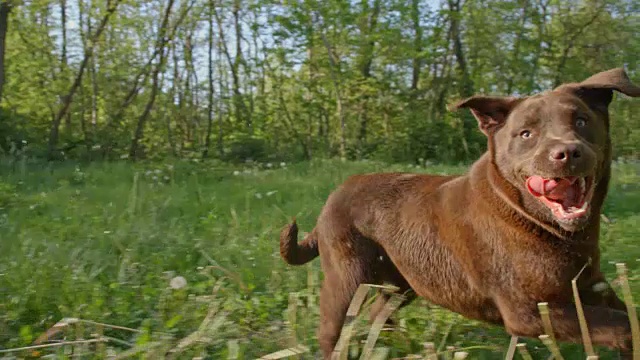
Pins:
x: 542, y: 273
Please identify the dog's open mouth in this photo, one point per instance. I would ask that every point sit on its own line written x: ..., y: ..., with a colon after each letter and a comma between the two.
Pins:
x: 568, y: 197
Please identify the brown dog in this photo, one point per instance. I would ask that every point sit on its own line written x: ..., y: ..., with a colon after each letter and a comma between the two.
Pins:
x: 495, y: 242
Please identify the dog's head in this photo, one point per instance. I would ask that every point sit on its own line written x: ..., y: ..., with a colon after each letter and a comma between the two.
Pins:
x: 554, y: 147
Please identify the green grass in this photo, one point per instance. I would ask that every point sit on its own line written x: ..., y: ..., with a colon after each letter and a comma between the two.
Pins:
x: 102, y: 241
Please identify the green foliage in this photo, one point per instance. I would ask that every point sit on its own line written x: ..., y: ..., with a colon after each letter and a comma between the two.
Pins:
x: 247, y: 148
x: 106, y: 241
x: 363, y: 80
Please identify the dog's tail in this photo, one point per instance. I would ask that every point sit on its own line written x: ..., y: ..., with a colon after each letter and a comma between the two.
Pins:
x: 295, y: 253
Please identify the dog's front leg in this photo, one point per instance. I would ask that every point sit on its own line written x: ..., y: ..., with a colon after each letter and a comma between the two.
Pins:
x: 608, y: 327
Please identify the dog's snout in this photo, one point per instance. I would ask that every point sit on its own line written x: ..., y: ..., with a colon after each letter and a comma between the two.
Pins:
x: 564, y: 153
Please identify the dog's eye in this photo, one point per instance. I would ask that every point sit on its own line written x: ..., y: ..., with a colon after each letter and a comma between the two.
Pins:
x: 581, y: 122
x: 525, y: 134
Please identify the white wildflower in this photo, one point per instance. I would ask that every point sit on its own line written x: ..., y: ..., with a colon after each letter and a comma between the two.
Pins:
x: 178, y: 282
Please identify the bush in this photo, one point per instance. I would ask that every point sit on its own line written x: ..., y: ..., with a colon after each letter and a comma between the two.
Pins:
x: 247, y: 148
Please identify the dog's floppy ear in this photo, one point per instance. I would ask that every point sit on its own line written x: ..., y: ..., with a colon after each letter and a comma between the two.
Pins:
x: 490, y: 111
x: 597, y: 90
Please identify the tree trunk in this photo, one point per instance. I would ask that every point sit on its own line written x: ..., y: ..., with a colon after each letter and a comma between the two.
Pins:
x: 172, y: 97
x: 417, y: 46
x: 89, y: 134
x: 335, y: 80
x: 241, y: 112
x: 236, y: 64
x: 5, y: 8
x: 191, y: 90
x: 367, y: 29
x: 63, y: 57
x: 207, y: 141
x: 466, y: 86
x: 223, y: 90
x: 145, y: 72
x: 55, y: 124
x: 161, y: 42
x: 63, y: 19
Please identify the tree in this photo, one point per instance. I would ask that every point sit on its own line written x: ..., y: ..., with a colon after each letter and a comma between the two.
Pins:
x: 160, y: 49
x: 68, y: 98
x: 260, y: 80
x: 5, y: 8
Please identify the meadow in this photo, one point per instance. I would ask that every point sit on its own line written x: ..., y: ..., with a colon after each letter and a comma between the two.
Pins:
x: 181, y: 258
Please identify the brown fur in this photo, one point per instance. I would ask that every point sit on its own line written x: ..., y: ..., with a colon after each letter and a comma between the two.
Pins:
x: 480, y: 244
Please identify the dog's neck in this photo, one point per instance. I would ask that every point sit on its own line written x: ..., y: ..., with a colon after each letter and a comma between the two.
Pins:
x: 506, y: 199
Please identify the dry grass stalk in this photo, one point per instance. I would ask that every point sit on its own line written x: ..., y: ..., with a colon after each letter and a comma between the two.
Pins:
x: 524, y: 353
x: 234, y: 349
x: 281, y: 354
x: 631, y: 309
x: 230, y: 274
x: 51, y: 345
x: 586, y: 338
x: 100, y: 347
x: 79, y: 336
x: 109, y: 339
x: 389, y: 307
x: 341, y: 349
x: 292, y: 311
x: 203, y: 335
x: 65, y: 323
x: 138, y: 350
x: 387, y: 288
x: 430, y: 351
x: 311, y: 285
x: 543, y: 307
x: 552, y: 346
x: 511, y: 351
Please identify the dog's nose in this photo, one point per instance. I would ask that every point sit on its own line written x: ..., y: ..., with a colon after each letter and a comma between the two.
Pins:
x: 564, y: 153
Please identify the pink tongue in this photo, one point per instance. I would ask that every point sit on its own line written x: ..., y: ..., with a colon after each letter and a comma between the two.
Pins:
x: 550, y: 188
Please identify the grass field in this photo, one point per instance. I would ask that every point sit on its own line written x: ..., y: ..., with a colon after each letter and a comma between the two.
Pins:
x: 111, y: 242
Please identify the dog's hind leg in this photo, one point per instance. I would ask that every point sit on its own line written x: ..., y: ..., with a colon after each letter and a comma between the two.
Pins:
x: 343, y: 274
